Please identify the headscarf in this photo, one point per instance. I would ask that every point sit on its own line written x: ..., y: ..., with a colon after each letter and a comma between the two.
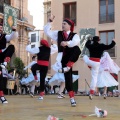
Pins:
x: 71, y: 23
x: 44, y: 43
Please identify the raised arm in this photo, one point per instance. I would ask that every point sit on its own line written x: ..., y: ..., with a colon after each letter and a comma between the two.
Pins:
x: 51, y: 34
x: 107, y: 47
x: 13, y: 35
x: 34, y: 50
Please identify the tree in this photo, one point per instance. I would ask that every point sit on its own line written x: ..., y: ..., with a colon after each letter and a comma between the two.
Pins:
x: 19, y: 65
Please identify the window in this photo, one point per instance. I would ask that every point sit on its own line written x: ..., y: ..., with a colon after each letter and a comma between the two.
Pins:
x: 70, y: 11
x: 33, y: 38
x: 106, y: 12
x: 106, y: 38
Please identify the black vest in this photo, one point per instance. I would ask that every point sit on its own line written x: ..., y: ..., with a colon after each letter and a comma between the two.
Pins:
x: 61, y: 38
x: 44, y: 53
x: 2, y: 41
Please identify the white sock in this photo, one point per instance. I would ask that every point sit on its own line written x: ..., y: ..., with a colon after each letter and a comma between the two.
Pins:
x: 32, y: 89
x: 3, y: 98
x: 72, y: 99
x: 66, y: 68
x: 5, y: 63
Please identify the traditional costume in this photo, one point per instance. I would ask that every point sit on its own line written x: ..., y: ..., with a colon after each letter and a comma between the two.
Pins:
x: 68, y: 54
x: 96, y: 50
x: 43, y: 55
x: 105, y: 79
x: 5, y: 55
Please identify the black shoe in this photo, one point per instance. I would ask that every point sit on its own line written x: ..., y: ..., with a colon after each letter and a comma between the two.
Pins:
x: 104, y: 96
x: 90, y: 97
x: 3, y: 100
x: 17, y: 93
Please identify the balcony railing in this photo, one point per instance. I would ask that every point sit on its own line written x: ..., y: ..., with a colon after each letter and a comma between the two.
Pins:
x: 106, y: 18
x: 2, y: 11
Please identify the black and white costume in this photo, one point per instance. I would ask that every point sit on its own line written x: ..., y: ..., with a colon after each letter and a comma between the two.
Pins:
x: 43, y: 55
x: 5, y: 55
x: 96, y: 50
x: 68, y: 54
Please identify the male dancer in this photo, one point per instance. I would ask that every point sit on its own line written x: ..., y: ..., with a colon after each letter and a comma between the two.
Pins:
x: 43, y: 55
x: 5, y: 54
x: 96, y: 50
x: 68, y: 51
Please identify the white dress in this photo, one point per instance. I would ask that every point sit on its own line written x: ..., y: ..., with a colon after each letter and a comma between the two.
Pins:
x: 106, y: 79
x: 59, y: 77
x: 30, y: 78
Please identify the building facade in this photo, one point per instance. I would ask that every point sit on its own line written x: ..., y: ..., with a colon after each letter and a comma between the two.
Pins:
x: 97, y: 17
x: 24, y: 25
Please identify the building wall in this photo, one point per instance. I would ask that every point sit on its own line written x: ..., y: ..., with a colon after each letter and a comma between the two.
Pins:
x: 25, y: 21
x: 87, y: 17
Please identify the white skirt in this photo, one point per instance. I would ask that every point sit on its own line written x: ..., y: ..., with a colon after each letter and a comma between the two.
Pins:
x: 106, y: 79
x: 30, y: 78
x: 59, y: 77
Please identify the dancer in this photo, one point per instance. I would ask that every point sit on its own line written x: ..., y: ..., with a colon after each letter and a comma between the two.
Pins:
x: 43, y: 55
x: 68, y: 51
x: 96, y: 50
x: 30, y: 79
x: 5, y: 54
x: 105, y: 79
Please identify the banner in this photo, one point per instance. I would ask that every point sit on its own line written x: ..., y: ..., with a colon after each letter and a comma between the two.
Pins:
x: 10, y: 18
x: 85, y: 34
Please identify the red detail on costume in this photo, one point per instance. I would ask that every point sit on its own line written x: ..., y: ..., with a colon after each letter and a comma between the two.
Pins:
x: 36, y: 77
x: 90, y: 67
x: 65, y: 34
x: 1, y: 93
x: 0, y: 51
x: 44, y: 43
x: 41, y: 93
x: 115, y: 76
x: 43, y: 62
x: 95, y: 59
x: 7, y: 59
x: 70, y: 64
x: 92, y: 92
x: 71, y: 94
x: 72, y: 24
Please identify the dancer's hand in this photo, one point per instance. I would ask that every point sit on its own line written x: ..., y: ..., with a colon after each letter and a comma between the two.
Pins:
x: 63, y: 43
x: 113, y: 39
x: 14, y: 28
x: 51, y: 18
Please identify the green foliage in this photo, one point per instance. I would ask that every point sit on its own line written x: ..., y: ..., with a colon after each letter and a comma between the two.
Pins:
x: 19, y: 65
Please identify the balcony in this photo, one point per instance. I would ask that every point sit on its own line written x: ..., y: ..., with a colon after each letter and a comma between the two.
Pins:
x: 106, y: 18
x: 2, y: 11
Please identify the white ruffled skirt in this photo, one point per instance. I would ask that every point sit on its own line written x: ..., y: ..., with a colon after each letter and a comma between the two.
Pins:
x: 106, y: 79
x: 59, y: 77
x: 30, y: 78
